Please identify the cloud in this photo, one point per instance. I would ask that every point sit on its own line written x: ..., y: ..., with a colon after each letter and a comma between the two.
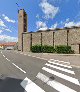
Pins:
x: 1, y: 31
x: 8, y: 19
x: 6, y: 38
x: 8, y: 30
x: 41, y: 24
x: 37, y: 16
x: 5, y: 29
x: 55, y: 25
x: 72, y: 23
x: 2, y: 23
x: 49, y: 10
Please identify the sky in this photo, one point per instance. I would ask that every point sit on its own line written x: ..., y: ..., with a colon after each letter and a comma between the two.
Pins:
x: 42, y: 14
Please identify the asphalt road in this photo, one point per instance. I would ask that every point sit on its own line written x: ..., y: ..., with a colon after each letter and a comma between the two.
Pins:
x: 23, y: 73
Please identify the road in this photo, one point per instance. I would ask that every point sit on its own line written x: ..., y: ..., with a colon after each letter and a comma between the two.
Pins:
x: 23, y: 73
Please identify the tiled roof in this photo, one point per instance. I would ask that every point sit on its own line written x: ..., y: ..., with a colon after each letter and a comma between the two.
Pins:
x: 8, y: 44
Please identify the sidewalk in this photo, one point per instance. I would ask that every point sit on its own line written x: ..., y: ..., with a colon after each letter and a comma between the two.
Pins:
x: 74, y: 59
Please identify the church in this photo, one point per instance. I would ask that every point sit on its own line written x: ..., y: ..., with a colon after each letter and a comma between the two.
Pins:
x: 53, y: 37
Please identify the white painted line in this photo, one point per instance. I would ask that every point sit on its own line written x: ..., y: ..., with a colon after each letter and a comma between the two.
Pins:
x: 59, y: 68
x: 21, y: 53
x: 19, y: 68
x: 3, y: 56
x: 63, y: 76
x: 62, y: 61
x: 54, y: 84
x: 41, y: 58
x: 7, y: 59
x: 38, y: 57
x: 30, y: 86
x: 29, y: 55
x: 60, y: 64
x: 51, y: 59
x: 59, y: 61
x: 33, y: 56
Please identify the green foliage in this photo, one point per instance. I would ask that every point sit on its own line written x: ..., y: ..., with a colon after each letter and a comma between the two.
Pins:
x: 44, y: 49
x: 64, y: 49
x: 36, y: 48
x: 50, y: 49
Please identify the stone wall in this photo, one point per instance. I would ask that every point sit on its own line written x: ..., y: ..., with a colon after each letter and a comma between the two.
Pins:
x: 74, y: 36
x: 47, y: 38
x: 26, y: 41
x: 58, y: 37
x: 36, y: 38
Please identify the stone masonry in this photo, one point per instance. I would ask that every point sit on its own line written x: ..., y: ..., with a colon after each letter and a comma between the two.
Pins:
x: 53, y: 37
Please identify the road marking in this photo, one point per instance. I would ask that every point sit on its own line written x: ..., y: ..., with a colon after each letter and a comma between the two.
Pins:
x: 41, y: 58
x: 1, y: 51
x: 62, y: 61
x: 68, y: 78
x: 19, y: 68
x: 29, y: 55
x: 21, y: 53
x: 25, y: 54
x: 30, y: 86
x: 7, y: 59
x: 59, y: 68
x: 60, y: 64
x: 56, y: 85
x: 3, y: 56
x: 33, y: 56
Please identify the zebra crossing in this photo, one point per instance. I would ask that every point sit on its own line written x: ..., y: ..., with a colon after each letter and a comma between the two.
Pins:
x: 59, y: 75
x: 57, y: 68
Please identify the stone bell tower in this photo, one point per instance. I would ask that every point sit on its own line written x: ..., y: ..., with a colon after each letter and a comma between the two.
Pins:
x: 22, y: 27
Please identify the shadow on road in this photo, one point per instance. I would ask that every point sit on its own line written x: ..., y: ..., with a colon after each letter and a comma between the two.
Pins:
x: 11, y: 85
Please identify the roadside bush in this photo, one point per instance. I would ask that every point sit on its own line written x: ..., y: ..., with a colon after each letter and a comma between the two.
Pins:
x: 36, y: 48
x: 48, y: 49
x: 64, y: 49
x: 44, y: 49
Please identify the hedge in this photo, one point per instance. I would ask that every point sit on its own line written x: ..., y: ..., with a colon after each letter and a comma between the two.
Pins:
x: 50, y: 49
x: 64, y: 49
x: 44, y: 49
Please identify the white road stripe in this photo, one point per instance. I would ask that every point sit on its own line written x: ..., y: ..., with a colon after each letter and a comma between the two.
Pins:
x: 43, y: 58
x: 30, y: 86
x: 3, y: 56
x: 19, y: 68
x: 59, y: 68
x: 40, y: 58
x: 62, y: 61
x: 54, y: 84
x: 21, y: 53
x: 33, y: 56
x: 6, y: 58
x: 60, y: 64
x: 63, y: 76
x: 29, y: 55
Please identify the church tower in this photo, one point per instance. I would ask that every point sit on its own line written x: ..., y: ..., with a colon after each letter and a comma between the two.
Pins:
x: 22, y: 27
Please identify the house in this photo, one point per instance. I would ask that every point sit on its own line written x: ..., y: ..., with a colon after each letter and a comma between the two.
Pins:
x: 8, y: 45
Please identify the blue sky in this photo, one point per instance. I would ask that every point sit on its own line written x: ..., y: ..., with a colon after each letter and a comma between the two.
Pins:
x: 42, y: 14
